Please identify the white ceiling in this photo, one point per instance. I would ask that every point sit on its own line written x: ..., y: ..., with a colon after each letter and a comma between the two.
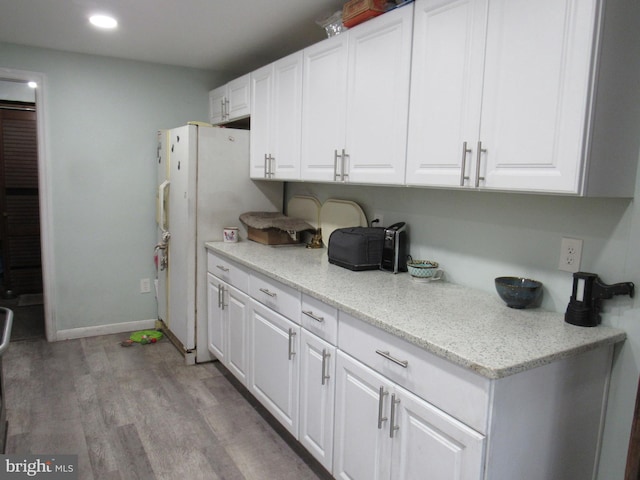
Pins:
x: 233, y: 36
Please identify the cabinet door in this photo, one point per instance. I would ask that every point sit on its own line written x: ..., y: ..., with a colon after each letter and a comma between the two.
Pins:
x: 273, y: 373
x: 216, y: 321
x: 535, y: 93
x: 378, y: 98
x: 236, y: 305
x: 324, y: 107
x: 239, y: 98
x: 446, y: 91
x: 286, y: 116
x: 261, y: 106
x: 317, y: 388
x: 217, y: 98
x: 425, y: 439
x: 361, y: 425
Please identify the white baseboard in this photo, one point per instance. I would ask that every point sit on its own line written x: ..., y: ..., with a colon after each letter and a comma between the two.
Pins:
x: 82, y: 332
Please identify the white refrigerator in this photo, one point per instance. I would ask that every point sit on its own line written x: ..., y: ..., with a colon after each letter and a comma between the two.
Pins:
x: 203, y: 187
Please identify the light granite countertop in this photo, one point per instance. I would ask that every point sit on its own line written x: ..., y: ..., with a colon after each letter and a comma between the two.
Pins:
x: 468, y: 327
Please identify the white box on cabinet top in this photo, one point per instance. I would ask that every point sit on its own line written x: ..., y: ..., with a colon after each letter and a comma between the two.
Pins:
x: 520, y: 95
x: 355, y: 102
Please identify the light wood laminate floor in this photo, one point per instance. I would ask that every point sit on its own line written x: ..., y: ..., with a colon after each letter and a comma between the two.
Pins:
x: 140, y: 413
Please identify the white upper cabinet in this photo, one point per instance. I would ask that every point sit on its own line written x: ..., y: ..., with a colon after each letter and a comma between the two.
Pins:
x: 446, y: 91
x: 276, y: 109
x: 217, y: 102
x: 537, y: 64
x: 356, y: 92
x: 377, y: 98
x: 231, y: 101
x: 504, y: 97
x: 324, y: 100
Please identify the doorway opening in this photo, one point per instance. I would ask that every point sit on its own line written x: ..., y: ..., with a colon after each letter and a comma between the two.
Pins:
x: 21, y: 285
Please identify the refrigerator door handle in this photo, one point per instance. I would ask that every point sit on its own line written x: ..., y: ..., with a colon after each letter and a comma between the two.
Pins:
x: 163, y: 192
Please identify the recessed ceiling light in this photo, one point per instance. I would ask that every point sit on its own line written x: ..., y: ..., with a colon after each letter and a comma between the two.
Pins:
x: 32, y: 85
x: 103, y: 21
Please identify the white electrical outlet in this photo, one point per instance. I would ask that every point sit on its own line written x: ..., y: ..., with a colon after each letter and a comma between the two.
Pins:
x: 377, y: 216
x: 145, y: 285
x: 570, y: 254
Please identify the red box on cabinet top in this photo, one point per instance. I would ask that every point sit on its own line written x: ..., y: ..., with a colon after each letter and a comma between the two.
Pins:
x: 357, y: 11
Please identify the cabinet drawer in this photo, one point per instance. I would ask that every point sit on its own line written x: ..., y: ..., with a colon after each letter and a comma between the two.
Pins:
x: 229, y: 271
x: 275, y: 295
x: 320, y: 318
x: 456, y: 390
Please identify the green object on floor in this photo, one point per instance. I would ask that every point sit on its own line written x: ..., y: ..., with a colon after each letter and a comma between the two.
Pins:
x: 147, y: 335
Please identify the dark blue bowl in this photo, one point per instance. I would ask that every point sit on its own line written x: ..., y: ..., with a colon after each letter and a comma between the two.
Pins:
x: 519, y: 292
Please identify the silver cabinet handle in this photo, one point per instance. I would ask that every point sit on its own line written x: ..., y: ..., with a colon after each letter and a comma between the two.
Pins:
x: 479, y: 154
x: 226, y: 108
x: 267, y: 292
x: 222, y: 267
x: 310, y: 314
x: 336, y: 175
x: 392, y: 425
x: 463, y: 168
x: 221, y: 304
x: 402, y: 363
x: 325, y: 364
x: 268, y: 165
x: 272, y: 171
x: 291, y: 335
x: 381, y: 396
x: 345, y: 174
x: 222, y: 115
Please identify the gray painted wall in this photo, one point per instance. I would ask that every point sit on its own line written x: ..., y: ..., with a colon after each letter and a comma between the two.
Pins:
x: 102, y: 119
x: 477, y: 236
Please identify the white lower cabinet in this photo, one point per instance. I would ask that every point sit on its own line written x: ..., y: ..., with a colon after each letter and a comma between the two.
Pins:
x: 216, y: 323
x: 317, y: 390
x: 274, y: 343
x: 369, y: 405
x: 382, y: 431
x: 426, y: 439
x: 228, y: 326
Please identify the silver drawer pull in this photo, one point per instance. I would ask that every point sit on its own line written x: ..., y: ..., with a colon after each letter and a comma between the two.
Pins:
x: 381, y: 396
x: 310, y: 314
x: 222, y: 267
x: 267, y: 292
x: 402, y: 363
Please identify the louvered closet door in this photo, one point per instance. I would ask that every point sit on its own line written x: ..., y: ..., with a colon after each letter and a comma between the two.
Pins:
x: 19, y: 204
